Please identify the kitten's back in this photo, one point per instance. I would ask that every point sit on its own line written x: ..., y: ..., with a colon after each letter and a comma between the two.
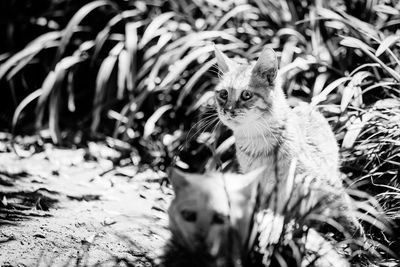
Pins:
x: 319, y: 136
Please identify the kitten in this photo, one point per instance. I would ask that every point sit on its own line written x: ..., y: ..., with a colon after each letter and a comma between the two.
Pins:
x: 212, y: 221
x: 210, y: 215
x: 268, y: 133
x: 251, y: 102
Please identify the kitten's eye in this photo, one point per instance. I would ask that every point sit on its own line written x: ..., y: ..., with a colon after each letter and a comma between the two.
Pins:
x: 246, y: 95
x: 223, y: 94
x: 218, y: 218
x: 189, y: 216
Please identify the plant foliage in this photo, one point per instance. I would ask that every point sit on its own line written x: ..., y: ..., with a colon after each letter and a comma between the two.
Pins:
x: 141, y: 73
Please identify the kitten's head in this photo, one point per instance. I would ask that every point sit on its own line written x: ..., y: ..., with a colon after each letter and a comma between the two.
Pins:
x: 244, y: 93
x: 207, y: 208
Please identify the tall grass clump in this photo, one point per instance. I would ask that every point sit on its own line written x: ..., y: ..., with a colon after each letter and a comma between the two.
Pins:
x: 140, y: 74
x: 306, y: 224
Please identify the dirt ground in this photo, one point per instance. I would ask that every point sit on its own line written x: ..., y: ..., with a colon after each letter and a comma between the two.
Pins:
x: 59, y: 209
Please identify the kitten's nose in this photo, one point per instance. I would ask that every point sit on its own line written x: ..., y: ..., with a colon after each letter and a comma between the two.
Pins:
x: 229, y: 109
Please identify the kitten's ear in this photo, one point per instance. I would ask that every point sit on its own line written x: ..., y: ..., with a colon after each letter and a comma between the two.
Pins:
x: 266, y: 67
x: 222, y: 60
x: 177, y: 178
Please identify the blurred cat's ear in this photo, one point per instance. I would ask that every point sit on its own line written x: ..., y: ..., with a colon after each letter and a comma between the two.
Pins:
x: 247, y: 183
x: 252, y: 179
x: 222, y: 60
x: 266, y: 67
x: 177, y: 179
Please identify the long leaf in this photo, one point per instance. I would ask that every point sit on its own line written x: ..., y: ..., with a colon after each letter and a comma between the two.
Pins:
x: 195, y: 38
x: 158, y: 48
x: 247, y: 9
x: 61, y: 71
x: 107, y: 69
x: 32, y: 49
x: 25, y: 102
x: 75, y: 21
x: 355, y: 43
x: 123, y: 73
x: 182, y: 64
x: 47, y: 86
x: 193, y: 80
x: 325, y: 92
x: 104, y: 34
x: 131, y: 44
x: 386, y: 44
x: 353, y: 90
x: 153, y: 26
x: 25, y: 61
x: 54, y: 108
x: 206, y: 97
x: 151, y: 122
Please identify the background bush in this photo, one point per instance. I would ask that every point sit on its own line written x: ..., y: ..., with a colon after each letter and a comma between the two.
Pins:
x: 140, y: 74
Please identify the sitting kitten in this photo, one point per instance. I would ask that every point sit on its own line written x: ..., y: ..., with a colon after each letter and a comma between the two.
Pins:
x: 267, y: 132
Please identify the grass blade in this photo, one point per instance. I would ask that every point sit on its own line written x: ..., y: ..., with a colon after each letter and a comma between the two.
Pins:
x: 131, y: 45
x: 153, y: 26
x: 25, y: 102
x: 103, y: 81
x: 353, y: 90
x: 40, y: 43
x: 47, y: 86
x: 61, y: 71
x: 75, y: 21
x: 193, y: 80
x: 182, y: 64
x: 355, y: 43
x: 123, y: 73
x: 386, y: 44
x: 247, y: 9
x: 151, y: 122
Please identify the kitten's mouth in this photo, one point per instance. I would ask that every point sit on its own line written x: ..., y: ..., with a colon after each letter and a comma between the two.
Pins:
x: 230, y: 114
x: 232, y: 120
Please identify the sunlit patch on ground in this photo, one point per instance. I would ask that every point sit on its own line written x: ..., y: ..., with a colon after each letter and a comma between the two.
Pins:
x: 56, y: 207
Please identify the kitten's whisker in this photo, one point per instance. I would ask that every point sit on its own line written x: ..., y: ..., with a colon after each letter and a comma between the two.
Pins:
x: 216, y: 70
x: 208, y: 124
x: 203, y: 127
x: 203, y: 119
x: 197, y: 124
x: 216, y: 126
x: 213, y: 147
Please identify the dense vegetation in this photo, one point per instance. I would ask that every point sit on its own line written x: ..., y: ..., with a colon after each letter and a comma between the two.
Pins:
x: 140, y: 74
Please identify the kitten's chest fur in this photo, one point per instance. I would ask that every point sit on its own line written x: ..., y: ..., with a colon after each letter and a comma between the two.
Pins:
x: 302, y: 134
x: 260, y: 150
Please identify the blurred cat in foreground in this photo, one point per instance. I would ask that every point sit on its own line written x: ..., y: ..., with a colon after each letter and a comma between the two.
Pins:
x: 216, y: 221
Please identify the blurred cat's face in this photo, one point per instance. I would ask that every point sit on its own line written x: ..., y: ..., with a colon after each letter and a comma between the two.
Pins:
x: 207, y: 207
x: 199, y: 216
x: 243, y: 95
